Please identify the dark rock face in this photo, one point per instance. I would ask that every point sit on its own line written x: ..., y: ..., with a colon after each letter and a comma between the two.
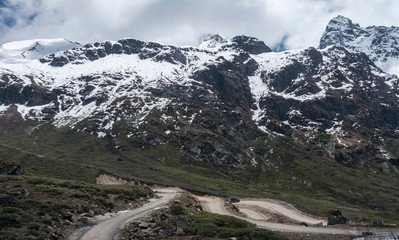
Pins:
x: 336, y: 100
x: 337, y: 217
x: 92, y: 52
x: 221, y: 125
x: 8, y: 168
x: 251, y: 44
x: 16, y: 93
x: 314, y: 89
x: 230, y: 80
x: 31, y: 95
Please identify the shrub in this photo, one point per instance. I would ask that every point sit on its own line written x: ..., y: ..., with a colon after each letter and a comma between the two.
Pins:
x: 55, y: 190
x: 79, y: 194
x: 10, y: 209
x: 177, y: 209
x: 59, y: 204
x: 34, y: 225
x: 207, y: 230
x: 6, y: 178
x: 15, y: 191
x: 166, y: 225
x: 40, y: 180
x: 104, y: 202
x: 9, y: 219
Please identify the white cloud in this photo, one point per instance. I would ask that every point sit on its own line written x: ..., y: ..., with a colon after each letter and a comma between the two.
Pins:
x: 184, y: 21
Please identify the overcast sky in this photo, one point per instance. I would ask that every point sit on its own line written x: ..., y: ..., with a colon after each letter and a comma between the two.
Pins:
x: 182, y: 22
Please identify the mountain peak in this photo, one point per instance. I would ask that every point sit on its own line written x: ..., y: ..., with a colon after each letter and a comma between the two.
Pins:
x: 379, y: 43
x: 343, y: 25
x: 212, y: 41
x: 339, y: 22
x: 249, y: 44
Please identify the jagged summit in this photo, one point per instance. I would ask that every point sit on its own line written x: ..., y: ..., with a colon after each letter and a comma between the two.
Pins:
x: 212, y: 41
x: 251, y: 45
x: 340, y: 23
x: 248, y: 44
x: 380, y: 43
x: 339, y: 31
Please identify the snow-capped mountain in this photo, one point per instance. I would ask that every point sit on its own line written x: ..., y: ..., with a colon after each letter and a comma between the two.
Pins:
x: 211, y: 101
x: 24, y: 51
x: 380, y: 43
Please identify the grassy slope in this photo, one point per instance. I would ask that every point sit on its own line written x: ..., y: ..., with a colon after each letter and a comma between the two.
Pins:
x: 39, y: 207
x: 290, y: 173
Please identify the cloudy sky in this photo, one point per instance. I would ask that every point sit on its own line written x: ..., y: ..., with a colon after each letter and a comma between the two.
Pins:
x: 296, y: 23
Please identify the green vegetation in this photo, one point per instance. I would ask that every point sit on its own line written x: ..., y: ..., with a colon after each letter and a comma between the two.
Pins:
x: 29, y: 202
x: 9, y: 219
x: 213, y: 225
x: 178, y: 209
x: 293, y: 170
x: 34, y: 225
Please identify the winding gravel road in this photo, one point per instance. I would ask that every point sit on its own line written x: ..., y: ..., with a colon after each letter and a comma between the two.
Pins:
x: 277, y: 207
x: 216, y: 205
x: 106, y: 230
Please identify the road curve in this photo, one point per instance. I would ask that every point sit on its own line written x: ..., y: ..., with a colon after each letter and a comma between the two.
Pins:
x: 106, y: 230
x: 216, y: 205
x: 253, y: 214
x: 280, y: 208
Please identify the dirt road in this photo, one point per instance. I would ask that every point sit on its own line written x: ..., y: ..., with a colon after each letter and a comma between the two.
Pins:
x: 279, y: 208
x: 253, y: 214
x: 216, y: 205
x: 106, y: 230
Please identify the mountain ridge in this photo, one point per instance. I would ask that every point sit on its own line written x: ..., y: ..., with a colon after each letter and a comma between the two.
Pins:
x: 228, y: 114
x: 91, y: 87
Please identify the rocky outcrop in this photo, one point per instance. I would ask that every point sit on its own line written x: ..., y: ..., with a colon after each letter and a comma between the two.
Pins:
x: 105, y: 179
x: 9, y: 168
x: 250, y: 44
x: 337, y: 217
x: 31, y: 95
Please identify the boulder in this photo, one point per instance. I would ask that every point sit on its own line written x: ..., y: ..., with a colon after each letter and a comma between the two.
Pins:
x: 337, y: 217
x: 83, y: 220
x: 143, y: 225
x: 180, y: 232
